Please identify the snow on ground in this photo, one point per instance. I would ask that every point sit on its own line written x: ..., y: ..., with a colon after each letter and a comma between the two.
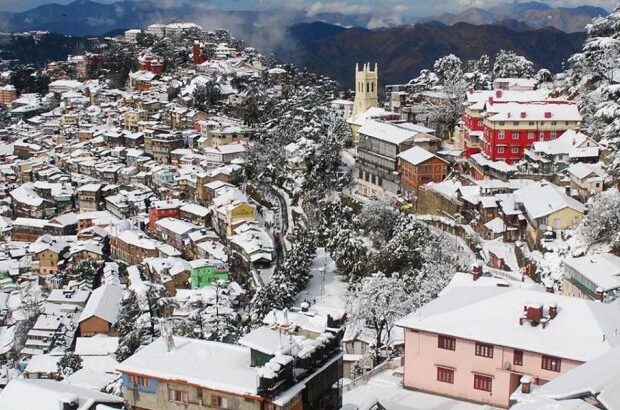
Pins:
x: 386, y: 388
x: 327, y: 289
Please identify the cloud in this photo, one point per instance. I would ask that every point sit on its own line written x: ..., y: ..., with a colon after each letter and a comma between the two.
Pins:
x: 340, y: 7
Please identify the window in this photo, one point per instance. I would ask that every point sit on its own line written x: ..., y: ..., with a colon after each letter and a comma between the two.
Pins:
x: 484, y: 350
x: 517, y: 358
x: 553, y: 134
x: 219, y: 401
x: 500, y: 135
x: 446, y: 342
x: 501, y: 123
x: 515, y: 150
x: 554, y: 123
x: 515, y: 123
x: 530, y: 135
x: 483, y: 382
x: 178, y: 395
x: 515, y: 135
x: 500, y: 150
x: 551, y: 363
x: 445, y: 375
x: 531, y: 123
x: 139, y: 381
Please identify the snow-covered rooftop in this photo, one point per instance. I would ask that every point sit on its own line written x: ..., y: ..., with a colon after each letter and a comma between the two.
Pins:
x: 104, y: 303
x: 578, y: 323
x: 22, y: 394
x: 217, y: 366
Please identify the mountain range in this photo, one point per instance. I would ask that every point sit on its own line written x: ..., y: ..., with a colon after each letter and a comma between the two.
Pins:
x: 331, y: 49
x: 532, y: 15
x: 403, y: 51
x: 87, y: 17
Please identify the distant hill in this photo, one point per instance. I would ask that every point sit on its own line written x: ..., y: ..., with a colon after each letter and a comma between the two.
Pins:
x: 533, y: 14
x: 402, y: 52
x: 40, y: 50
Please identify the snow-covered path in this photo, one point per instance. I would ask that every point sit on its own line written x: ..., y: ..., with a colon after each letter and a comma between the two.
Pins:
x: 326, y: 288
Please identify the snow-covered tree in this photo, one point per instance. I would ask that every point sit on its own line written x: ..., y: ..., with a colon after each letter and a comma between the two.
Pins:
x: 377, y: 302
x: 331, y: 215
x: 448, y: 69
x: 378, y: 219
x: 543, y: 76
x: 478, y: 73
x: 289, y: 278
x: 68, y: 364
x: 602, y: 223
x: 206, y: 95
x: 133, y: 326
x: 426, y: 80
x: 508, y: 64
x: 87, y: 270
x: 350, y: 252
x: 593, y: 81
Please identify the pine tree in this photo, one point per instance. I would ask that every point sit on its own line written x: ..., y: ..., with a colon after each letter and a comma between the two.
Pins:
x: 68, y: 364
x: 508, y: 64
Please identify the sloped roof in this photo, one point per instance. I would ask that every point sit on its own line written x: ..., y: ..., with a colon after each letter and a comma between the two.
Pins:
x: 104, y: 303
x: 491, y: 315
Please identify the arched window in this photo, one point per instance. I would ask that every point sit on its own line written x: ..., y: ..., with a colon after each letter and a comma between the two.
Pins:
x: 367, y: 87
x: 372, y: 88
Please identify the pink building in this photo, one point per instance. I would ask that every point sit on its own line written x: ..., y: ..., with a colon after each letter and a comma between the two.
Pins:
x: 476, y: 342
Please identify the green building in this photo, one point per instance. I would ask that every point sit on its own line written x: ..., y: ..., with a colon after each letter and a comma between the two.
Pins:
x: 205, y: 272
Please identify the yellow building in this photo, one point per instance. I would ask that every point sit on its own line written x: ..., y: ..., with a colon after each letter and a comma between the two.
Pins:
x: 232, y: 215
x: 547, y: 208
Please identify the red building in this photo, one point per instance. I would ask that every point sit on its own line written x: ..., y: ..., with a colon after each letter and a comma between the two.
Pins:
x: 511, y: 128
x: 163, y: 209
x: 198, y: 55
x: 151, y: 62
x: 475, y: 110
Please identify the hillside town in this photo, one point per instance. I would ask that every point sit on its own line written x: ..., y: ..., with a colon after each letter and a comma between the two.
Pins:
x: 187, y: 223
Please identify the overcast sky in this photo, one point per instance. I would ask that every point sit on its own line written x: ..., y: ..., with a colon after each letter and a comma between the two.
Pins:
x: 409, y: 7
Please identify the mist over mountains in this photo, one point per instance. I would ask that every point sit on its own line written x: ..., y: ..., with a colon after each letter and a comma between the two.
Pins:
x: 331, y: 43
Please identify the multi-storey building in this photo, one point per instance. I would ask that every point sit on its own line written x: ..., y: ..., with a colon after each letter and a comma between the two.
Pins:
x: 164, y: 209
x: 511, y: 128
x: 28, y: 229
x: 268, y: 372
x: 591, y: 277
x: 470, y: 131
x: 477, y: 342
x: 175, y: 232
x: 379, y: 145
x: 160, y: 146
x: 417, y: 166
x: 132, y: 246
x: 89, y: 197
x: 8, y: 94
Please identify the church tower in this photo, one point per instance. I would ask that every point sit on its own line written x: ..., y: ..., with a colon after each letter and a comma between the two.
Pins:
x: 366, y: 84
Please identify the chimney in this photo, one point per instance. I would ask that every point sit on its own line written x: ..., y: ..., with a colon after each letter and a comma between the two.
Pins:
x: 498, y: 93
x: 476, y: 271
x: 547, y: 114
x: 534, y: 312
x: 526, y: 384
x: 523, y: 114
x: 600, y: 294
x: 553, y: 311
